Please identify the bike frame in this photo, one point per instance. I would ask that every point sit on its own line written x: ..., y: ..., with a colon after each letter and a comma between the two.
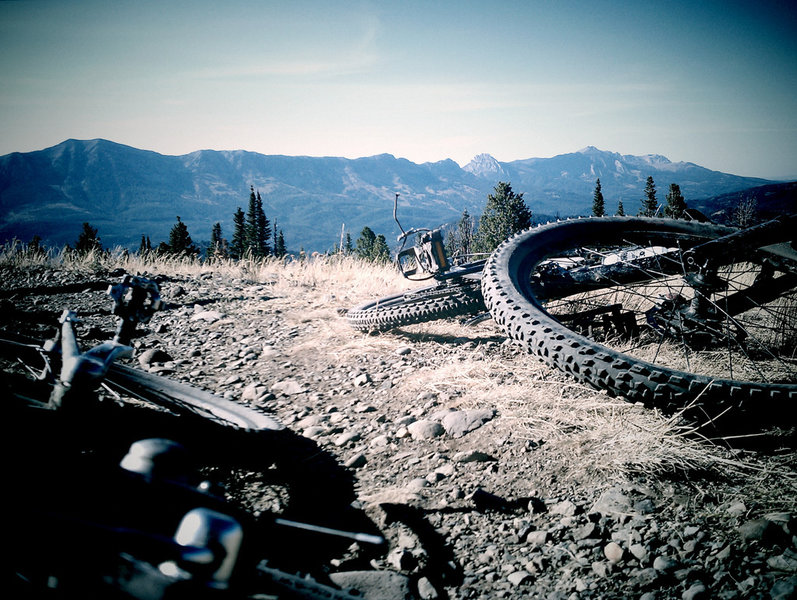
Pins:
x: 427, y: 258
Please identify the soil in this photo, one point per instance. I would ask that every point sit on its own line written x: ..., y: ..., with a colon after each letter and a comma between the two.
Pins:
x: 477, y: 498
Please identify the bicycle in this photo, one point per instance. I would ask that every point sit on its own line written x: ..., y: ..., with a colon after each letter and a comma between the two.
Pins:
x: 456, y: 291
x: 665, y: 312
x: 82, y: 523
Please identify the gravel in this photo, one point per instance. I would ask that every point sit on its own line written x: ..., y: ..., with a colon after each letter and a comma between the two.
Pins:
x: 471, y: 506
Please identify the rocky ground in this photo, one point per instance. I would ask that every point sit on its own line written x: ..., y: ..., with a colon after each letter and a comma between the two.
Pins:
x: 492, y: 476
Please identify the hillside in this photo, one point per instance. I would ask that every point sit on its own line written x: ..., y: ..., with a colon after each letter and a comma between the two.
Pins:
x: 491, y: 475
x: 126, y: 192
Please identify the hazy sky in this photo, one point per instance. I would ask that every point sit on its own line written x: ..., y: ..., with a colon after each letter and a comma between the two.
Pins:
x: 710, y: 82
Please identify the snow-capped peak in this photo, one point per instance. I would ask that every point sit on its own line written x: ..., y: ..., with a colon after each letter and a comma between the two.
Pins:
x: 484, y: 165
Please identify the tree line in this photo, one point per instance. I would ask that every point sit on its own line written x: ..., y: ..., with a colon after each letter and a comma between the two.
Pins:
x: 505, y: 213
x: 674, y: 209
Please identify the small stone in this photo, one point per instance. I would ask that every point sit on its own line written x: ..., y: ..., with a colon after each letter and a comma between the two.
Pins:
x: 784, y: 589
x: 761, y: 530
x: 460, y: 422
x: 520, y: 578
x: 385, y: 585
x: 362, y: 379
x: 403, y: 351
x: 565, y: 508
x: 537, y: 538
x: 664, y: 564
x: 425, y: 430
x: 613, y: 552
x: 346, y: 438
x: 590, y: 530
x: 639, y: 551
x: 473, y: 456
x: 736, y: 509
x: 426, y: 590
x: 695, y: 592
x: 152, y: 356
x: 288, y: 387
x: 355, y: 462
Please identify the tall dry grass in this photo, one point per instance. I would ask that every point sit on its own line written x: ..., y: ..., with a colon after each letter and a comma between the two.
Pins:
x: 588, y: 436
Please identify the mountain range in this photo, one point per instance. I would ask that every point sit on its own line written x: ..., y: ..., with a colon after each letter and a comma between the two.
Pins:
x: 127, y: 192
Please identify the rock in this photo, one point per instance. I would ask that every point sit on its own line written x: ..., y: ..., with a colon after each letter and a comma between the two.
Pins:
x: 613, y: 552
x: 362, y: 379
x: 346, y: 438
x: 783, y: 562
x: 695, y: 592
x: 639, y: 551
x: 375, y: 585
x: 520, y: 578
x: 664, y: 564
x: 472, y: 456
x: 590, y: 530
x: 288, y: 387
x: 784, y: 589
x: 356, y: 462
x: 425, y: 429
x: 426, y: 591
x: 565, y: 508
x: 460, y: 422
x: 537, y: 538
x: 210, y: 316
x: 736, y: 509
x: 612, y: 502
x: 761, y: 530
x: 152, y: 356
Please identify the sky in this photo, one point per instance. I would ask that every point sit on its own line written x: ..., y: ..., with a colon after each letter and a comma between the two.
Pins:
x: 708, y: 82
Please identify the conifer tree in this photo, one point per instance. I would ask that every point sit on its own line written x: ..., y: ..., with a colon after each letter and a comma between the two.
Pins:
x: 676, y: 205
x: 598, y: 206
x: 650, y: 205
x: 504, y: 215
x: 459, y: 242
x: 180, y: 241
x: 279, y: 245
x: 88, y: 240
x: 237, y: 245
x: 372, y: 247
x: 218, y: 245
x: 620, y: 209
x: 145, y: 247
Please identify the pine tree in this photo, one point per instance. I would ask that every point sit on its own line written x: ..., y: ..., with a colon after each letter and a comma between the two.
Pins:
x: 88, y: 240
x: 218, y: 245
x: 676, y: 205
x: 348, y: 247
x: 279, y: 245
x: 180, y: 241
x: 238, y: 244
x: 263, y: 230
x: 145, y: 247
x: 620, y: 209
x: 257, y: 231
x: 505, y: 214
x: 650, y: 205
x: 460, y: 239
x: 380, y: 252
x: 598, y: 206
x: 251, y: 230
x: 365, y: 243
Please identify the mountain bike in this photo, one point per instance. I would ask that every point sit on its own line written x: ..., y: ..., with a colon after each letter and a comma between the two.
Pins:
x: 660, y: 311
x: 456, y: 291
x: 85, y: 527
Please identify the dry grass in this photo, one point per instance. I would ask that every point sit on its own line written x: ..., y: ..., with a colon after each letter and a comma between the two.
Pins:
x: 588, y: 435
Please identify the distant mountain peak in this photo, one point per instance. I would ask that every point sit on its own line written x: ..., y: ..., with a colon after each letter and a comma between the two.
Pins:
x: 484, y: 165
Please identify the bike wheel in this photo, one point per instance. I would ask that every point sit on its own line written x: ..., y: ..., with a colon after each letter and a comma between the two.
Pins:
x: 603, y: 300
x: 418, y: 306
